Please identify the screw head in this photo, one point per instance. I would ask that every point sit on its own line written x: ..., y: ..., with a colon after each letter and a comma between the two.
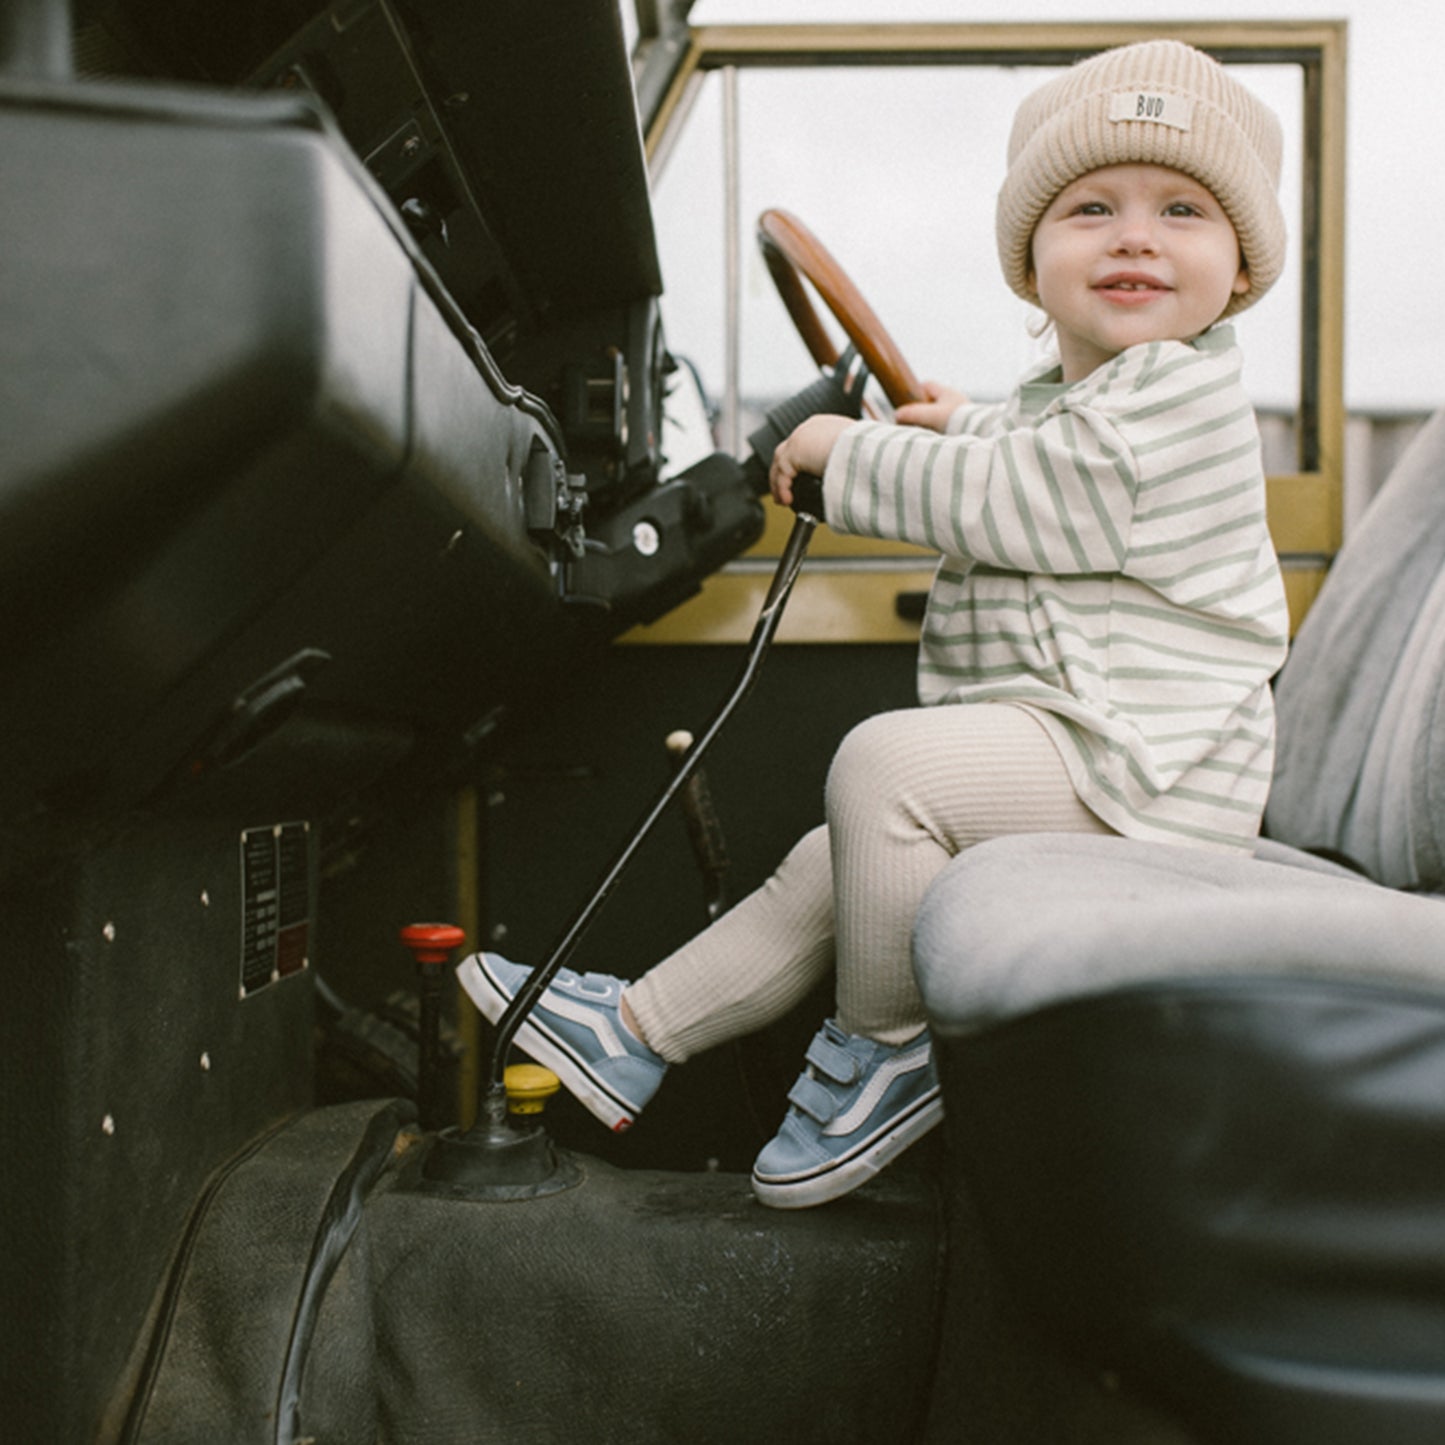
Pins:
x: 646, y: 538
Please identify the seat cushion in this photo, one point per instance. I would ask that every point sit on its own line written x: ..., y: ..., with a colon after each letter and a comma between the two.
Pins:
x: 1022, y: 921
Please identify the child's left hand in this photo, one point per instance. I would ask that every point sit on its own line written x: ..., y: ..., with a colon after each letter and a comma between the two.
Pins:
x: 804, y: 449
x: 940, y: 402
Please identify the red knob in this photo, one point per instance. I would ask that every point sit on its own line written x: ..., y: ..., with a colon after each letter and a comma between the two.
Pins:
x: 432, y: 942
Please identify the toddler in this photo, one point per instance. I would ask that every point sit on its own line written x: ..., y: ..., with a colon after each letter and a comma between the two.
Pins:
x: 1099, y: 637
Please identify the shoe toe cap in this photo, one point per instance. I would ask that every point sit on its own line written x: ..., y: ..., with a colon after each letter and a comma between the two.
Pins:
x: 794, y: 1150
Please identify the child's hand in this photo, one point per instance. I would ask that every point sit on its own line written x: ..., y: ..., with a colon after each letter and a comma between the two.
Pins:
x: 804, y: 449
x: 934, y: 413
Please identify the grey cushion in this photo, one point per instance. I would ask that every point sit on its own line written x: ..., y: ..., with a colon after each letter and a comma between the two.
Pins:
x: 1022, y: 921
x: 1361, y: 762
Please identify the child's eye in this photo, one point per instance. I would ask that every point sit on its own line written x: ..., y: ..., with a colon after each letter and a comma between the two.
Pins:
x: 1091, y: 208
x: 1182, y: 208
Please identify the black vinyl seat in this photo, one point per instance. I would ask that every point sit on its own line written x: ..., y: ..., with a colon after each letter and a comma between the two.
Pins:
x: 1198, y: 1101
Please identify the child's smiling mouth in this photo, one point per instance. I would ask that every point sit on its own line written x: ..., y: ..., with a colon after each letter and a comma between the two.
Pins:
x: 1130, y: 286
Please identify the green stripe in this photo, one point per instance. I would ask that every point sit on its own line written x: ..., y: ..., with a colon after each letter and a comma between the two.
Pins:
x: 1177, y: 709
x: 1123, y: 472
x: 852, y: 481
x: 995, y: 539
x: 1177, y: 400
x: 1263, y: 575
x: 960, y: 463
x: 898, y: 471
x: 925, y: 498
x: 1242, y: 413
x: 1021, y: 504
x: 1061, y: 509
x: 1051, y: 628
x: 1172, y: 616
x: 1167, y: 675
x: 1017, y: 661
x: 1050, y: 674
x: 1198, y: 502
x: 863, y: 474
x: 969, y: 603
x: 1184, y: 654
x: 1209, y: 534
x: 1242, y: 734
x: 1229, y: 805
x: 1216, y: 765
x: 1212, y: 463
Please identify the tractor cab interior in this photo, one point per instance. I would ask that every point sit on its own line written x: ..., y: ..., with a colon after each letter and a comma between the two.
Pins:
x: 365, y: 535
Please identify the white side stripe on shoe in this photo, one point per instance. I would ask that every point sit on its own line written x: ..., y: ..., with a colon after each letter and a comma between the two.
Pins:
x: 587, y: 1017
x: 876, y: 1087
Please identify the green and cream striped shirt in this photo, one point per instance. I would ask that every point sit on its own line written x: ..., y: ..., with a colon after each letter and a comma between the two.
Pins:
x: 1106, y: 563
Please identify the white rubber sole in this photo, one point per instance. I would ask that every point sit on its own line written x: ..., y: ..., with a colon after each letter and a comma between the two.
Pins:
x: 845, y: 1174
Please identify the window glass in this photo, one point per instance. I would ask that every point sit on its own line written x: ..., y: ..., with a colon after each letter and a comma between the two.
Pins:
x: 895, y: 169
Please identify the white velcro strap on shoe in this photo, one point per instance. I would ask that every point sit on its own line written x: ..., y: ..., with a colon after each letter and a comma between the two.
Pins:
x: 838, y: 1064
x: 813, y: 1099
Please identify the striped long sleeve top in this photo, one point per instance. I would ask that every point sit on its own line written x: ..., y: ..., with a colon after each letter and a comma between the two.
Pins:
x: 1105, y: 564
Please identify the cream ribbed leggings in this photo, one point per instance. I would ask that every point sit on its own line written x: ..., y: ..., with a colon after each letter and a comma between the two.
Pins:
x: 906, y: 791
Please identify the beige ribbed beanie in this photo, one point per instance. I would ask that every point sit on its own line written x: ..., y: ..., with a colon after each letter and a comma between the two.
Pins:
x: 1161, y: 102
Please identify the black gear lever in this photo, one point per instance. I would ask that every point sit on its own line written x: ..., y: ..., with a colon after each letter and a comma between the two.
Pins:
x: 493, y: 1160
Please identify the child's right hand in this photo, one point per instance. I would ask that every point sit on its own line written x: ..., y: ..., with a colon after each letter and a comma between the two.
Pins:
x: 941, y: 403
x: 805, y: 449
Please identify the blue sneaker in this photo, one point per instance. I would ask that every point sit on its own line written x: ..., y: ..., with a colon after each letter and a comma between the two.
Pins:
x: 575, y: 1030
x: 855, y: 1108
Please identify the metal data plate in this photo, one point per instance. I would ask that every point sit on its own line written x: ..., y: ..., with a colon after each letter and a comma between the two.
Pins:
x: 275, y: 903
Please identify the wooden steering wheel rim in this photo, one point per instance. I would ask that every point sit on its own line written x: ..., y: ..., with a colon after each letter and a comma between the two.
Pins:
x: 793, y: 252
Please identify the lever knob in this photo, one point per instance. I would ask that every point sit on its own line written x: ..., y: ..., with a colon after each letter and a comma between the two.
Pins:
x: 432, y: 942
x: 529, y: 1086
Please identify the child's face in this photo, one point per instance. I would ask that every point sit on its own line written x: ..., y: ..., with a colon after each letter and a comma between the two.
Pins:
x: 1133, y: 253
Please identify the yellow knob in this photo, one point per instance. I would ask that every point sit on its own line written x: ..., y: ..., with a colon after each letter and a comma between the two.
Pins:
x: 529, y: 1086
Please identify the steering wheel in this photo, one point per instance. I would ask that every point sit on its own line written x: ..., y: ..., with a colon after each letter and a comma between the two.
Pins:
x: 792, y: 253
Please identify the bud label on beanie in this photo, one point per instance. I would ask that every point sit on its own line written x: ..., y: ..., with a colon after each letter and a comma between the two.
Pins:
x: 1171, y: 110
